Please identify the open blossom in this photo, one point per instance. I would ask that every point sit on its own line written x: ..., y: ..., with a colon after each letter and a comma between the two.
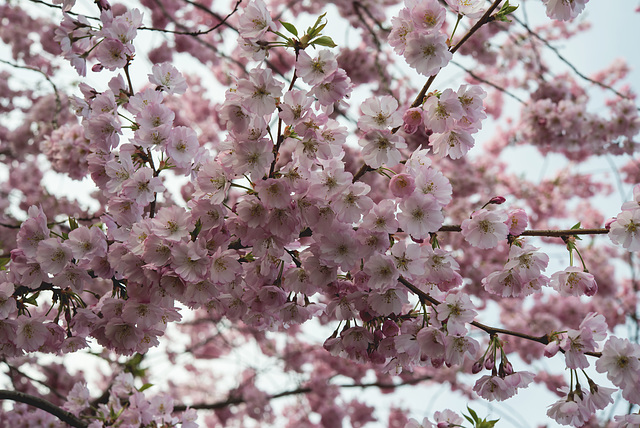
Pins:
x: 485, y: 228
x: 381, y: 147
x: 142, y: 187
x: 420, y: 215
x: 53, y: 255
x: 499, y: 388
x: 313, y: 71
x: 428, y: 15
x: 457, y: 310
x: 441, y: 113
x: 470, y: 8
x: 427, y: 53
x: 401, y: 26
x: 78, y: 398
x: 255, y: 20
x: 564, y: 9
x: 625, y: 230
x: 455, y: 143
x: 620, y: 361
x: 259, y: 92
x: 379, y: 113
x: 573, y: 281
x: 527, y: 261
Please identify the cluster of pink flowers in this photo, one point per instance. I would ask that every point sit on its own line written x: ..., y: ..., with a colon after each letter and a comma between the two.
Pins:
x: 559, y: 121
x: 418, y: 35
x: 67, y: 150
x: 277, y: 229
x: 128, y: 406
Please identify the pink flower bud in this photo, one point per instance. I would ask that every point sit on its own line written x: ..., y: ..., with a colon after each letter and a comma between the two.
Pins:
x: 508, y: 368
x: 402, y: 185
x: 477, y: 367
x: 489, y: 364
x: 551, y: 349
x: 390, y: 328
x: 497, y: 200
x: 607, y: 224
x: 413, y: 117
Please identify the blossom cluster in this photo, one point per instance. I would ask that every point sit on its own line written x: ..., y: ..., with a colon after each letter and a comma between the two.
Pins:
x: 280, y: 226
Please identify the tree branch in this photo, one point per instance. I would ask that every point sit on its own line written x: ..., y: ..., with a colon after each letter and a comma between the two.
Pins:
x: 45, y: 405
x: 567, y: 62
x: 544, y: 339
x: 302, y: 390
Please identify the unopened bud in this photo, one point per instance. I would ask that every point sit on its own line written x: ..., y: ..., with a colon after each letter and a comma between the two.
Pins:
x: 508, y: 368
x: 607, y: 224
x: 551, y: 349
x: 489, y: 364
x: 477, y: 367
x: 497, y: 200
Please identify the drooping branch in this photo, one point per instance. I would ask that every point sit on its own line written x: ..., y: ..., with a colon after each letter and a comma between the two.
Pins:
x: 567, y: 62
x: 233, y: 400
x: 485, y: 81
x: 56, y: 113
x: 222, y: 22
x: 45, y: 405
x: 426, y: 297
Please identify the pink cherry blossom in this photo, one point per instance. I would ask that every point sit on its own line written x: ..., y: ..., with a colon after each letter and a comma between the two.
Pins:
x: 485, y: 228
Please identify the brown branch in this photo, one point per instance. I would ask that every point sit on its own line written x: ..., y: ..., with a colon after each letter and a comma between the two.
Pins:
x: 486, y: 18
x: 540, y: 232
x: 222, y: 22
x: 568, y: 63
x: 56, y: 113
x: 480, y: 79
x: 45, y: 405
x: 302, y: 390
x: 426, y: 297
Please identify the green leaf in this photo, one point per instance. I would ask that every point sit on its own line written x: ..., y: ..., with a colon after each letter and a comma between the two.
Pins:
x: 310, y: 29
x: 575, y: 226
x: 469, y: 419
x: 473, y: 414
x: 290, y: 28
x: 324, y: 41
x: 504, y: 11
x: 73, y: 223
x: 145, y: 387
x: 3, y: 262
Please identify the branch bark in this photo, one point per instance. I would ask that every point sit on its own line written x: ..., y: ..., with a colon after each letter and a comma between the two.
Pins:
x: 302, y: 390
x: 45, y: 405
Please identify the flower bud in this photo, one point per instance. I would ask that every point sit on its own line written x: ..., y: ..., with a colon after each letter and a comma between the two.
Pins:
x: 489, y: 364
x: 551, y: 349
x: 402, y: 185
x: 607, y: 224
x: 477, y: 367
x: 497, y: 200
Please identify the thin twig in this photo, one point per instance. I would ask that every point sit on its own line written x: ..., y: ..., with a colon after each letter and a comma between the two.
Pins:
x: 567, y: 62
x: 222, y: 22
x: 233, y: 400
x: 54, y: 121
x: 480, y: 79
x: 544, y: 339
